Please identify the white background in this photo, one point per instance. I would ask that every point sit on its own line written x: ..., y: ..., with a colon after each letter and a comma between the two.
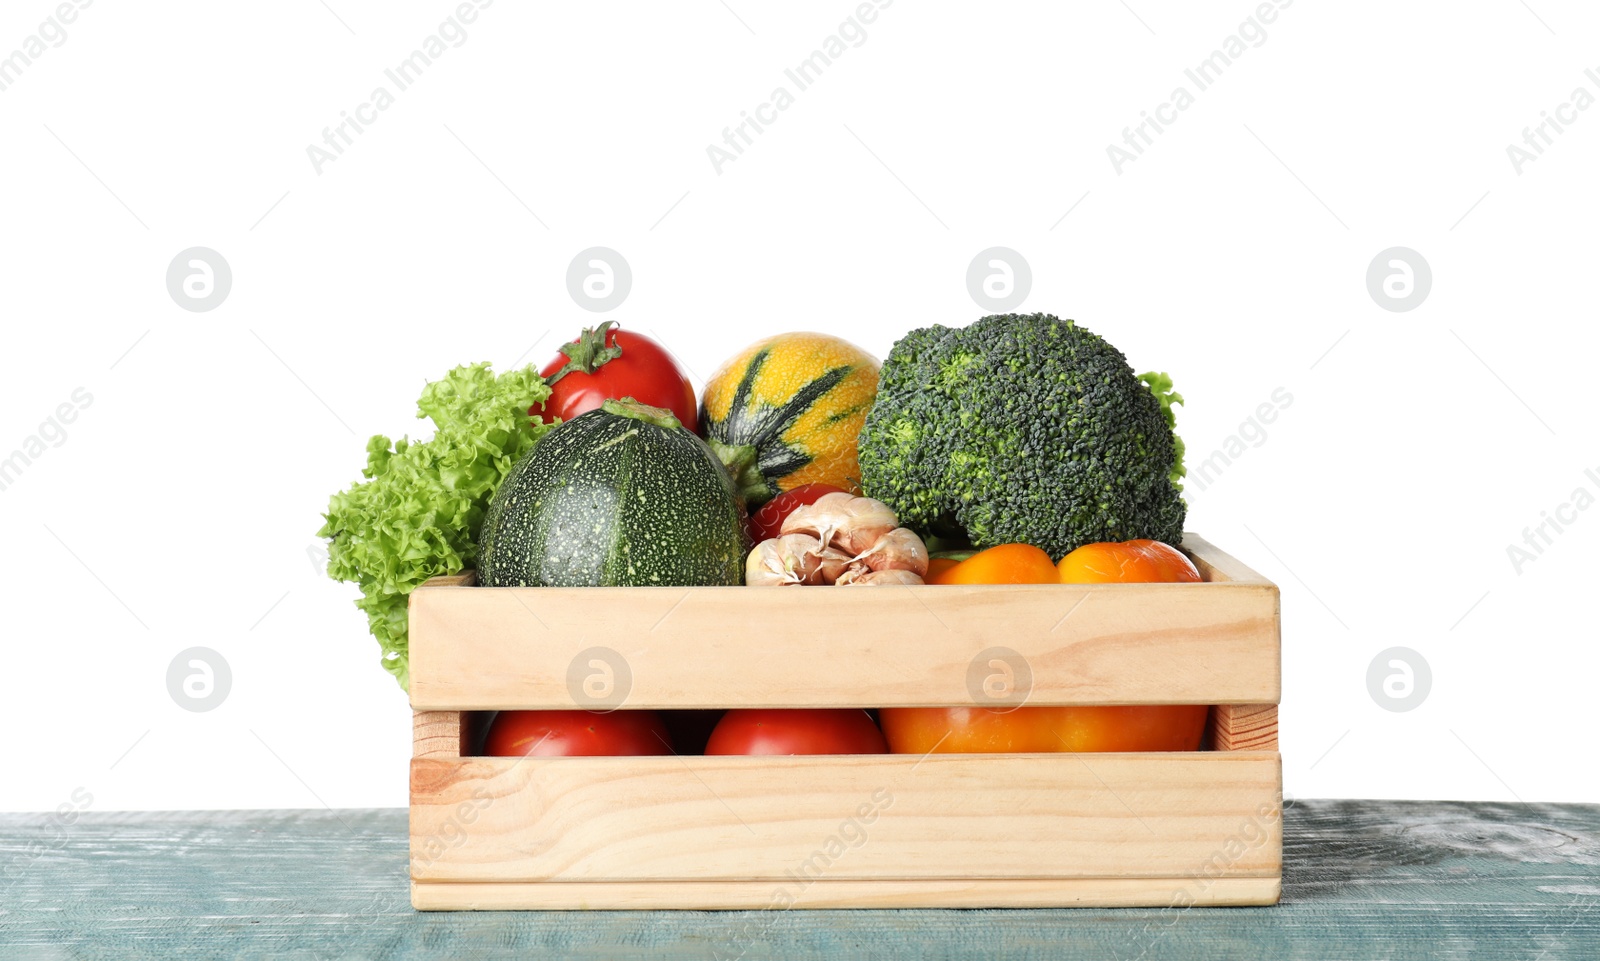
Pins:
x: 181, y: 508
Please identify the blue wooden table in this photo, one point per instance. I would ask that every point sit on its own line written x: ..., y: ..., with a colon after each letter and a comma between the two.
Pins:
x: 1362, y: 879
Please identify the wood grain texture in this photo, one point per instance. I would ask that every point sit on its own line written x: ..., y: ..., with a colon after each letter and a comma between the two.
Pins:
x: 437, y: 734
x: 823, y: 894
x: 1402, y: 880
x: 717, y: 647
x: 944, y: 816
x: 1242, y: 727
x: 1218, y: 566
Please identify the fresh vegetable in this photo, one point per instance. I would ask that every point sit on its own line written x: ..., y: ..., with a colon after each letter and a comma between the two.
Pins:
x: 941, y: 561
x: 1160, y: 384
x: 847, y: 522
x: 608, y: 363
x: 823, y: 731
x: 576, y: 734
x: 786, y: 411
x: 899, y: 550
x: 981, y: 730
x: 1020, y: 429
x: 791, y: 560
x: 841, y: 539
x: 888, y: 577
x: 768, y: 520
x: 1119, y: 728
x: 418, y: 513
x: 1138, y: 561
x: 622, y: 495
x: 1003, y: 564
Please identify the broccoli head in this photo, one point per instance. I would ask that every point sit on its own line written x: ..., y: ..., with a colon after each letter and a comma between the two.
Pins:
x: 1022, y: 428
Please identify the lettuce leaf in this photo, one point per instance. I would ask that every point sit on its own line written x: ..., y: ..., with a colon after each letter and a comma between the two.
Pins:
x: 419, y: 512
x: 1160, y: 384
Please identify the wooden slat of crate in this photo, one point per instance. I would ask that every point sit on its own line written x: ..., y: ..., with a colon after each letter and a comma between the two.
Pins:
x: 720, y: 647
x: 1242, y: 727
x: 880, y: 893
x: 944, y: 816
x: 1218, y: 566
x: 437, y: 734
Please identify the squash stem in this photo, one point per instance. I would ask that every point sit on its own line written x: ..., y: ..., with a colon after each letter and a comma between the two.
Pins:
x: 638, y: 410
x: 740, y: 460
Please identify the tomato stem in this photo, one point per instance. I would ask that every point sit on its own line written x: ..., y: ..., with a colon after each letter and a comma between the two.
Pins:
x: 589, y: 352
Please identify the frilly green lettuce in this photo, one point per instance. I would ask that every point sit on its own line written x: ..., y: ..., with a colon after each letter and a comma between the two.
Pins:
x: 1160, y: 384
x: 419, y: 512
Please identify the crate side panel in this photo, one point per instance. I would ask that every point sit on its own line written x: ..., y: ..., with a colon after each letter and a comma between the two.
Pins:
x: 1217, y: 566
x: 853, y: 817
x: 718, y: 647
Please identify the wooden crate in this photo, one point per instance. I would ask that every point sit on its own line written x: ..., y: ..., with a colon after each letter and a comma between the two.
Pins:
x: 944, y: 830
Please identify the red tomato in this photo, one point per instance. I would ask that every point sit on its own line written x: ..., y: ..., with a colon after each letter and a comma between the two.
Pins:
x: 823, y: 731
x: 1032, y: 730
x: 605, y: 363
x: 768, y: 521
x: 576, y: 734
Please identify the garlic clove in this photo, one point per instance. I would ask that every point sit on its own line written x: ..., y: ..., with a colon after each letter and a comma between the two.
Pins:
x: 899, y: 549
x: 843, y: 521
x: 885, y: 578
x: 831, y: 565
x: 788, y: 560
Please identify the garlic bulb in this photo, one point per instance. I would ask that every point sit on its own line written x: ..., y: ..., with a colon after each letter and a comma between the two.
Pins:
x: 793, y: 559
x: 843, y: 521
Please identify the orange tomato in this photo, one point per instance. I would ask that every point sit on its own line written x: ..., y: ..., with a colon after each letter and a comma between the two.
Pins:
x: 1005, y: 564
x: 1128, y: 562
x: 980, y: 730
x: 1030, y: 730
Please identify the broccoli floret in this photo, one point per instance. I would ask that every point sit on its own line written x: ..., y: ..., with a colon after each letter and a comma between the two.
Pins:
x: 1023, y: 428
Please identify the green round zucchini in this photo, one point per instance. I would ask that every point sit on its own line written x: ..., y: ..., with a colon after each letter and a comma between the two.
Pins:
x: 622, y: 495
